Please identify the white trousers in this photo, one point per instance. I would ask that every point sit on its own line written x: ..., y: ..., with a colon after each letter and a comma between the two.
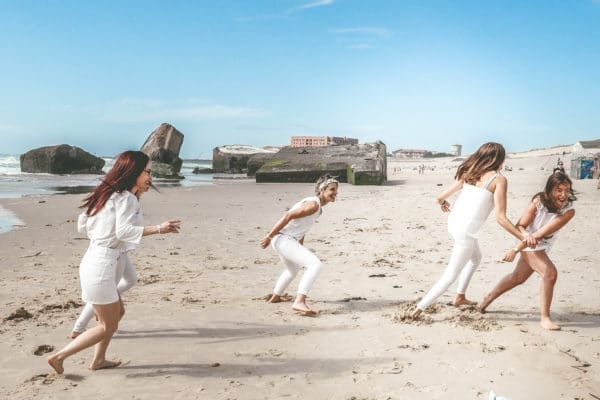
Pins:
x: 294, y: 255
x: 464, y: 259
x: 125, y: 278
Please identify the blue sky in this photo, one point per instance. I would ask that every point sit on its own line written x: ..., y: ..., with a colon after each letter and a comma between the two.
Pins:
x: 415, y: 74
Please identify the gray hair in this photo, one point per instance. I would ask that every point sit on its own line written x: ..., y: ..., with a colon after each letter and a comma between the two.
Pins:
x: 324, y: 181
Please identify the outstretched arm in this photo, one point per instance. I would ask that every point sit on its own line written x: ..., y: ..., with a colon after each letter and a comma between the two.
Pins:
x: 522, y: 224
x: 554, y: 225
x: 546, y: 230
x: 500, y: 208
x: 170, y: 226
x: 308, y: 208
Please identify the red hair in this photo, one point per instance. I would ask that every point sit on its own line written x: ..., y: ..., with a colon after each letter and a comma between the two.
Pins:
x: 122, y: 176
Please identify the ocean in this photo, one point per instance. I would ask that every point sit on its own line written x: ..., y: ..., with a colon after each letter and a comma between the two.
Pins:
x: 15, y: 184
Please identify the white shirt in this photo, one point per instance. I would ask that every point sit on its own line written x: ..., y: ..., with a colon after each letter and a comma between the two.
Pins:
x: 117, y: 225
x: 542, y: 218
x: 298, y: 227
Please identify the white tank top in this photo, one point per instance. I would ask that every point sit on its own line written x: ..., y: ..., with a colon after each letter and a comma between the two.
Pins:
x: 471, y: 209
x: 543, y: 217
x: 298, y: 227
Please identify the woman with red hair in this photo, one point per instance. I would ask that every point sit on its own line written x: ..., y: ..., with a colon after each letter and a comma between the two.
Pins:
x: 110, y: 223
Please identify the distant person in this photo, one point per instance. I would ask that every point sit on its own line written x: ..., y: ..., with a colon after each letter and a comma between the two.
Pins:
x: 110, y: 223
x: 559, y: 167
x: 545, y: 215
x: 287, y: 238
x: 483, y: 189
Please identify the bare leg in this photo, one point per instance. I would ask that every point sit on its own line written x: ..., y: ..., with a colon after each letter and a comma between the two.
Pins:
x: 89, y: 337
x: 128, y: 278
x: 544, y: 266
x: 520, y: 274
x: 301, y: 306
x: 108, y: 316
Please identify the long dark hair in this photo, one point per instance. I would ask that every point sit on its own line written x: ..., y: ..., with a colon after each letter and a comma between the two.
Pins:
x: 553, y: 181
x: 488, y: 157
x: 122, y: 176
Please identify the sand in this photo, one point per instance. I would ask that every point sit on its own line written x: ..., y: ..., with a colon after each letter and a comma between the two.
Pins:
x: 197, y: 324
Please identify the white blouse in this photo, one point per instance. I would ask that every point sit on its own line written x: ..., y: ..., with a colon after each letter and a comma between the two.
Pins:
x: 542, y: 218
x: 117, y: 225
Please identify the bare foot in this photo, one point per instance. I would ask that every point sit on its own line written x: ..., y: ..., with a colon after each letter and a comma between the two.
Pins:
x: 485, y: 303
x: 547, y: 323
x: 104, y: 364
x: 303, y: 309
x: 275, y: 299
x: 461, y: 300
x: 415, y: 314
x: 74, y: 334
x: 56, y: 364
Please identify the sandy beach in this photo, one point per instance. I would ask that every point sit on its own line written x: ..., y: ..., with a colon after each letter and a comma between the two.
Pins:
x: 197, y: 325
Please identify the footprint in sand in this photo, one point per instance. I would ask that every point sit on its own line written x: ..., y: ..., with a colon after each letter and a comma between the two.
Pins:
x: 486, y: 348
x: 19, y: 315
x: 421, y: 347
x: 44, y: 379
x: 148, y: 280
x: 43, y: 349
x: 405, y: 318
x: 475, y: 323
x: 403, y: 315
x: 284, y: 297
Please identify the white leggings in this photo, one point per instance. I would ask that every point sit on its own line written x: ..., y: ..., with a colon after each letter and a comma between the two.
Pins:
x: 294, y: 255
x: 126, y: 278
x: 464, y: 259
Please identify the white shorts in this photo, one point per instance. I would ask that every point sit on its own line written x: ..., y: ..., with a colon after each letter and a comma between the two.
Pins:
x: 98, y: 273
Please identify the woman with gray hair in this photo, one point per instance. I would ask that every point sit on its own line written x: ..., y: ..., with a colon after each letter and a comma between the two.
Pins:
x: 287, y: 238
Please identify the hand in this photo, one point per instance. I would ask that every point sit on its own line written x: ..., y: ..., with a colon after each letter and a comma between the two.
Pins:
x: 531, y: 241
x: 171, y: 226
x: 265, y: 241
x: 445, y: 205
x: 509, y: 256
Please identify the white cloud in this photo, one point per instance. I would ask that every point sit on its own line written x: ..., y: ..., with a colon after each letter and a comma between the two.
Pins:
x: 316, y: 3
x: 285, y: 14
x: 261, y: 18
x: 141, y: 110
x: 381, y: 32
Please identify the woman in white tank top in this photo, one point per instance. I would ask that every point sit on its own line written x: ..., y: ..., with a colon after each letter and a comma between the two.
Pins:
x: 482, y: 188
x: 287, y: 238
x: 547, y: 212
